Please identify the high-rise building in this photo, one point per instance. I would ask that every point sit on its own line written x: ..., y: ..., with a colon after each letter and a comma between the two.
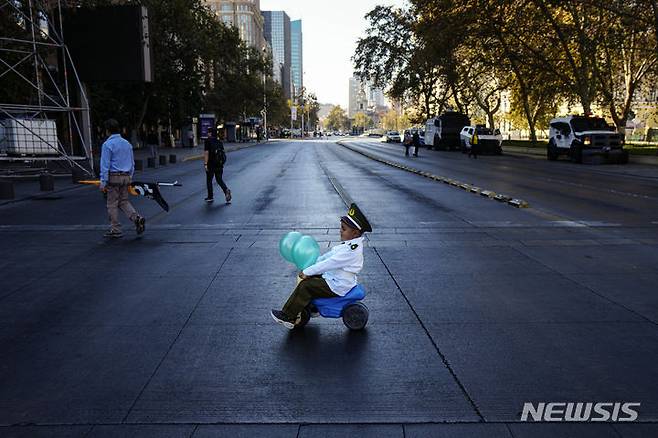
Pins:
x: 277, y: 33
x: 243, y: 14
x: 297, y: 61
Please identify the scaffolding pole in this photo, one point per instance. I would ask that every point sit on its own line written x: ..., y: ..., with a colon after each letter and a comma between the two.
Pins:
x: 33, y: 38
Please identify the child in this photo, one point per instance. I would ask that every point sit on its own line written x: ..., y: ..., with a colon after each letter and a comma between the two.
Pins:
x: 333, y: 274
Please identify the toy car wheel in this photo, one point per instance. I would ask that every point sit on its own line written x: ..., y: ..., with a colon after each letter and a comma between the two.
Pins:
x: 355, y: 316
x: 303, y: 318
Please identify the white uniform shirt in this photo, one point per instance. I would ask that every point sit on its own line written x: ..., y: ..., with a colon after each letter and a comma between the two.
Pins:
x: 340, y: 265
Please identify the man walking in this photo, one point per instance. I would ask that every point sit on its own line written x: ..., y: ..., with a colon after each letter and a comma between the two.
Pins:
x: 214, y: 158
x: 117, y: 167
x: 415, y: 140
x: 473, y: 151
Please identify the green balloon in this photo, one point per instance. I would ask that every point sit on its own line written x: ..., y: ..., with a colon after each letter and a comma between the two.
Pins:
x: 305, y: 252
x: 286, y: 244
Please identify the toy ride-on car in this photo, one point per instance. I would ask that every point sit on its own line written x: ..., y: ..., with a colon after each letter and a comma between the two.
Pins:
x: 348, y: 307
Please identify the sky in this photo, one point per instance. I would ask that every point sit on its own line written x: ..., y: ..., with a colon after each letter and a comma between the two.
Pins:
x: 330, y: 31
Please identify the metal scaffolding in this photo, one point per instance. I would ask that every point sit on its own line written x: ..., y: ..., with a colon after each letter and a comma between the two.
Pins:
x: 34, y: 55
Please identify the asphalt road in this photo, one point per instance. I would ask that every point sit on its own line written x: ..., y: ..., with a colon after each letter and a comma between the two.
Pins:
x: 475, y: 306
x: 613, y: 194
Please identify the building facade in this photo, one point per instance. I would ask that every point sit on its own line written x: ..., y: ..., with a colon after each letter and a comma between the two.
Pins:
x: 245, y: 15
x: 364, y: 98
x: 277, y: 33
x: 297, y: 60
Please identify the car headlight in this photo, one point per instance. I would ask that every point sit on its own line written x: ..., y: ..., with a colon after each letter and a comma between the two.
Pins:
x: 587, y: 141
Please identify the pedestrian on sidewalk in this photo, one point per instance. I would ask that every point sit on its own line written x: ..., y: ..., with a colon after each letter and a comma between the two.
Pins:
x: 415, y: 140
x: 117, y: 167
x: 214, y: 158
x: 333, y: 274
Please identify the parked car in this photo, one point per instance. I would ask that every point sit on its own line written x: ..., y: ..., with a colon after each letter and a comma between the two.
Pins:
x: 391, y: 137
x: 579, y: 137
x: 489, y: 140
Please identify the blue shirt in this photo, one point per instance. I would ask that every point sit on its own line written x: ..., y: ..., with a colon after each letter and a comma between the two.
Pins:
x: 116, y: 156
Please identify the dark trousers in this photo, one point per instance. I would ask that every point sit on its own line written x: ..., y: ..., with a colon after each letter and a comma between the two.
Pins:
x: 217, y: 173
x: 306, y: 291
x: 473, y: 151
x: 406, y: 150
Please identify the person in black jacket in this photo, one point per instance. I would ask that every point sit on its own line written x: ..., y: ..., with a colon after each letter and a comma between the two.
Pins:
x: 214, y: 158
x: 415, y: 140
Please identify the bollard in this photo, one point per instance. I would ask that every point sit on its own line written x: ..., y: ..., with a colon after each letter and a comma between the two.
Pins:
x: 150, y: 162
x: 172, y: 158
x: 163, y: 160
x: 6, y: 190
x: 139, y: 164
x: 46, y: 182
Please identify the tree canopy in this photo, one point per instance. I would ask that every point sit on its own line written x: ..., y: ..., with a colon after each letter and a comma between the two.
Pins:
x: 537, y: 53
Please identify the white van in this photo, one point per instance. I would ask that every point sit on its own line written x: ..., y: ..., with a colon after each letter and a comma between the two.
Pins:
x: 489, y: 140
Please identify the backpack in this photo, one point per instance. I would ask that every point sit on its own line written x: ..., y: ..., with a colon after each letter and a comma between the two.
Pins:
x: 217, y: 154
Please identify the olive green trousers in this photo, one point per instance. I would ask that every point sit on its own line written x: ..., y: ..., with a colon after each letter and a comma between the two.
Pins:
x: 306, y: 291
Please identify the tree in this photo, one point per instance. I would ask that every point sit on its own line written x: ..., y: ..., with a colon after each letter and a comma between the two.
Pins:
x: 336, y: 119
x: 391, y: 57
x: 390, y: 121
x: 278, y: 110
x: 627, y: 59
x: 361, y: 121
x: 199, y: 64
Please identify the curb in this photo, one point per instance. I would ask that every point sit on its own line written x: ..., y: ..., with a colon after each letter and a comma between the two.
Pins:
x: 469, y: 188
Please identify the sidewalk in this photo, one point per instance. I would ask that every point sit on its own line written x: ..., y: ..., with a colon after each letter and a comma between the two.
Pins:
x: 26, y: 188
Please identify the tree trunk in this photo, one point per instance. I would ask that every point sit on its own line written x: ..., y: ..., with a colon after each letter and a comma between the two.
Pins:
x: 490, y: 120
x: 455, y: 96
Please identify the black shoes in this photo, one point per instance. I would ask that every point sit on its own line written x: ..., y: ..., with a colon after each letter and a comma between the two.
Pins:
x: 111, y: 234
x: 140, y: 224
x: 282, y: 319
x: 228, y: 196
x: 209, y: 200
